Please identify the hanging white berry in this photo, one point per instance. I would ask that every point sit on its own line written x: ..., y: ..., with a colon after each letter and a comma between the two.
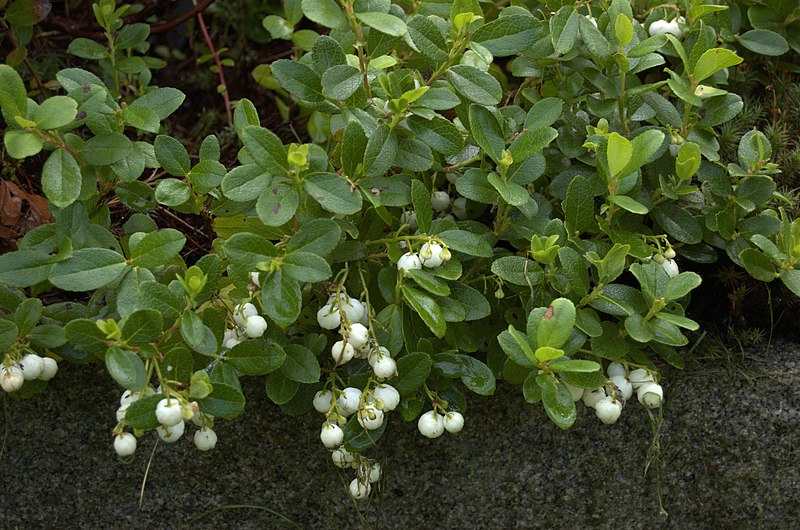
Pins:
x: 431, y: 424
x: 453, y: 422
x: 205, y: 439
x: 323, y: 401
x: 608, y: 410
x: 408, y: 262
x: 328, y: 317
x: 388, y: 395
x: 331, y: 435
x: 125, y: 444
x: 169, y: 412
x: 650, y: 395
x: 31, y: 366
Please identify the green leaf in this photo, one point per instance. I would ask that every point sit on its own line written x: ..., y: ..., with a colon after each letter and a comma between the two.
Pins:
x: 564, y: 28
x: 631, y: 205
x: 327, y: 53
x: 578, y: 207
x: 318, y: 236
x: 531, y: 142
x: 413, y: 155
x: 27, y: 12
x: 341, y: 81
x: 61, y: 178
x: 298, y: 79
x: 474, y: 185
x: 678, y: 223
x: 383, y: 22
x: 517, y: 270
x: 354, y: 144
x: 429, y: 282
x: 105, y: 149
x: 8, y: 334
x: 172, y: 155
x: 593, y: 38
x: 356, y: 438
x: 163, y: 100
x: 84, y: 334
x: 333, y: 193
x: 557, y: 401
x: 141, y: 414
x: 681, y: 285
x: 428, y: 39
x: 247, y: 250
x: 326, y: 13
x: 380, y: 151
x: 142, y: 327
x: 300, y: 364
x: 142, y: 118
x: 427, y: 308
x: 159, y: 297
x: 575, y: 366
x: 507, y: 35
x: 620, y: 152
x: 26, y: 316
x: 88, y: 269
x: 712, y: 61
x: 764, y: 42
x: 487, y: 131
x: 638, y: 329
x: 512, y: 193
x: 623, y: 29
x: 475, y: 85
x: 467, y: 242
x: 55, y: 112
x: 791, y: 279
x: 421, y: 200
x: 157, y: 248
x: 280, y: 388
x: 306, y: 267
x: 412, y: 371
x: 277, y: 26
x: 281, y: 298
x: 126, y: 368
x: 13, y: 96
x: 266, y: 149
x: 758, y: 264
x: 256, y: 357
x: 225, y: 401
x: 556, y: 323
x: 476, y: 375
x: 245, y: 183
x: 277, y: 205
x: 439, y: 133
x: 172, y: 192
x: 22, y: 144
x: 515, y: 345
x: 196, y: 334
x: 207, y: 175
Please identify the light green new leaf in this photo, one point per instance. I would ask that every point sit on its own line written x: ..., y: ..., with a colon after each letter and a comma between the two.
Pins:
x: 620, y: 152
x: 712, y: 61
x: 383, y: 22
x: 22, y: 144
x: 13, y: 96
x: 326, y: 13
x: 55, y: 112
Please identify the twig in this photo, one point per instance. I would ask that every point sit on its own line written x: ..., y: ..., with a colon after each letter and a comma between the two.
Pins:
x: 147, y: 472
x: 220, y: 72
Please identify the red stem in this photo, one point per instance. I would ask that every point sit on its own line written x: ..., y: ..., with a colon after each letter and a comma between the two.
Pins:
x: 220, y: 72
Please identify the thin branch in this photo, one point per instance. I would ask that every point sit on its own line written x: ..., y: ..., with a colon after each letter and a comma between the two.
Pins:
x: 220, y: 71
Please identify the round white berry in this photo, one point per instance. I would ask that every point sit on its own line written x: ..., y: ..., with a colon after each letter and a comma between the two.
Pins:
x: 205, y: 439
x: 364, y: 320
x: 31, y: 366
x: 201, y: 418
x: 255, y: 326
x: 12, y: 379
x: 658, y: 27
x: 460, y: 208
x: 591, y: 19
x: 671, y: 267
x: 242, y: 311
x: 230, y: 343
x: 359, y: 490
x: 353, y: 310
x: 169, y: 412
x: 331, y: 435
x: 388, y: 395
x: 128, y: 397
x: 616, y: 369
x: 431, y: 424
x: 674, y: 27
x: 454, y: 422
x: 342, y: 351
x: 348, y: 401
x: 410, y: 219
x: 49, y: 369
x: 121, y: 411
x: 408, y: 262
x: 342, y: 457
x: 650, y: 395
x: 623, y: 385
x: 591, y: 397
x: 125, y: 444
x: 328, y: 317
x: 377, y: 353
x: 370, y: 417
x: 358, y: 335
x: 385, y: 367
x: 323, y: 401
x: 431, y: 255
x: 172, y: 433
x: 574, y: 391
x: 608, y: 410
x: 369, y: 472
x: 440, y: 201
x: 639, y: 377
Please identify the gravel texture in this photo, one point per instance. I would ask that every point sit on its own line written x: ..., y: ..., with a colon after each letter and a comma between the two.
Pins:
x: 729, y: 450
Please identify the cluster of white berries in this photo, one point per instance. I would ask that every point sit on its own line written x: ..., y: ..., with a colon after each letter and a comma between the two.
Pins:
x: 172, y: 416
x: 608, y: 406
x: 441, y: 203
x: 667, y: 260
x: 431, y: 424
x: 431, y: 255
x: 30, y: 367
x: 330, y: 315
x: 249, y: 324
x: 673, y: 27
x: 370, y: 407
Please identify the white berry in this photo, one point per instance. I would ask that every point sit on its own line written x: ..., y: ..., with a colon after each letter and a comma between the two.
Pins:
x: 331, y: 435
x: 574, y: 391
x: 12, y: 379
x: 254, y: 278
x: 408, y: 262
x: 639, y: 377
x: 122, y: 410
x: 125, y: 444
x: 591, y: 397
x: 658, y: 27
x: 255, y: 326
x: 608, y: 410
x: 359, y: 490
x: 242, y: 311
x: 388, y: 395
x: 349, y: 400
x: 440, y: 201
x: 342, y: 351
x: 431, y: 255
x: 323, y: 400
x: 328, y: 317
x: 49, y: 369
x: 172, y: 433
x: 650, y: 395
x: 460, y: 208
x: 385, y: 367
x: 205, y: 439
x: 169, y: 412
x: 623, y: 385
x: 616, y: 369
x: 671, y: 267
x: 453, y: 422
x: 370, y: 417
x: 370, y: 472
x: 410, y: 219
x: 357, y: 335
x: 342, y: 457
x: 31, y: 366
x: 431, y: 424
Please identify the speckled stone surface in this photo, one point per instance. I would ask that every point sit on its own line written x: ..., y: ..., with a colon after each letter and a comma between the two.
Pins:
x: 730, y: 448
